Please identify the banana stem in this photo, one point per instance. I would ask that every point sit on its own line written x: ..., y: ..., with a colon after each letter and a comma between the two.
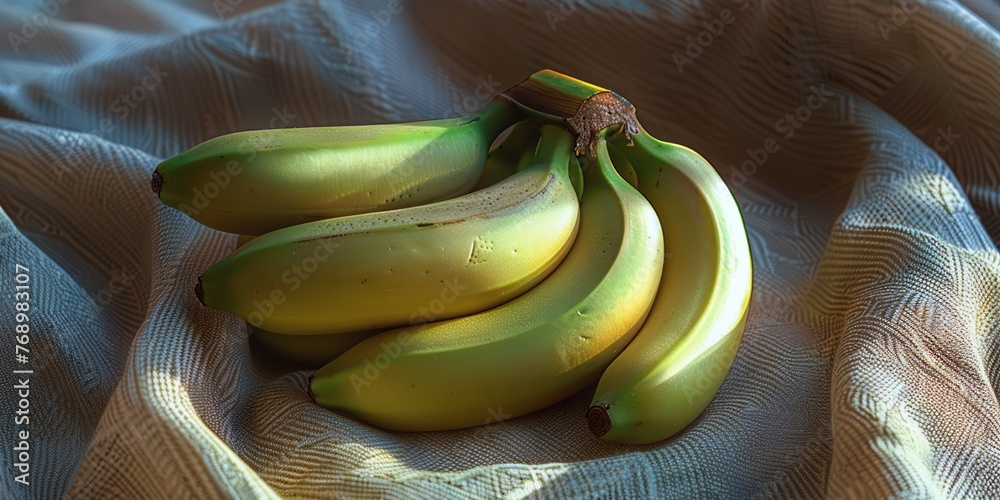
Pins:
x: 585, y: 108
x: 156, y: 183
x: 554, y: 146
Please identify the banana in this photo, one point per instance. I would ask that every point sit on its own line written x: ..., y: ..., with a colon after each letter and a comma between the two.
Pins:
x: 505, y: 167
x: 526, y: 354
x: 308, y: 351
x: 623, y: 166
x: 678, y: 360
x: 257, y: 181
x: 514, y: 152
x: 383, y: 269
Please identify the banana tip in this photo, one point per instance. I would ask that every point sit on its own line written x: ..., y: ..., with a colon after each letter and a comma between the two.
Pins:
x: 309, y: 387
x: 598, y: 420
x: 200, y: 292
x: 156, y: 182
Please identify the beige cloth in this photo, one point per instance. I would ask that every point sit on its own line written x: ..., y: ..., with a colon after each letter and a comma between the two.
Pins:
x: 871, y: 358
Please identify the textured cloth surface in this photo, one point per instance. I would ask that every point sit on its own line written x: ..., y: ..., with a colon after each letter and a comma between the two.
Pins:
x: 861, y: 139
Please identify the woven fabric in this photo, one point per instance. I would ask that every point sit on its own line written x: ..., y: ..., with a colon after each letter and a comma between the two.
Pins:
x: 861, y: 139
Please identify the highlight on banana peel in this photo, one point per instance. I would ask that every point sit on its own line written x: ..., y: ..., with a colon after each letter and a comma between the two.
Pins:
x: 432, y: 272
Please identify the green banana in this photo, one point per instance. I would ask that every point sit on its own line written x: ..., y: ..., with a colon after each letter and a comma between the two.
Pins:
x: 308, y: 351
x: 624, y: 166
x: 383, y: 269
x: 257, y: 181
x: 513, y: 165
x: 523, y: 355
x: 576, y: 176
x: 675, y: 365
x: 514, y: 152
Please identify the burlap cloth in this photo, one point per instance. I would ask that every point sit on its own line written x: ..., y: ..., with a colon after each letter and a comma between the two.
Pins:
x: 871, y: 357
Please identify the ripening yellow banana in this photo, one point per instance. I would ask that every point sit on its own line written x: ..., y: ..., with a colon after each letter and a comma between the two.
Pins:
x: 675, y: 365
x: 308, y: 351
x: 523, y: 355
x: 677, y: 362
x: 257, y: 181
x: 383, y: 269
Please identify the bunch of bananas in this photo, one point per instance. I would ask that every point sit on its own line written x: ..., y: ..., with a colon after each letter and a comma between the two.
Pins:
x: 436, y: 281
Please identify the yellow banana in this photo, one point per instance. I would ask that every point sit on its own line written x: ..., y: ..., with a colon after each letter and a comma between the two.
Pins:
x: 308, y: 351
x: 442, y: 260
x: 526, y: 354
x: 514, y: 152
x: 257, y: 181
x: 676, y: 363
